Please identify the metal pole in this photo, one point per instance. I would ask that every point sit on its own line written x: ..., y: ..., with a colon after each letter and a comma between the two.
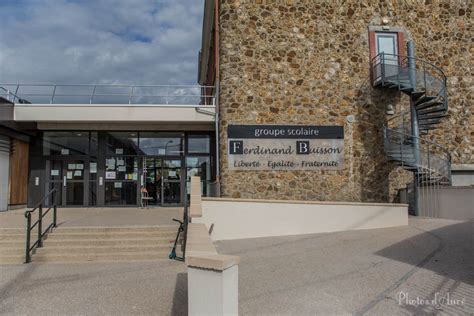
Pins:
x: 54, y: 92
x: 131, y: 95
x: 55, y: 216
x: 16, y: 93
x: 92, y: 94
x: 28, y: 238
x: 414, y: 117
x: 40, y: 226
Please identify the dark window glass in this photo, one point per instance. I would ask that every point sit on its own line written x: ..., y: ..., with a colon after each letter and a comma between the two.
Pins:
x: 199, y: 144
x: 121, y: 143
x: 94, y: 144
x: 75, y: 193
x: 93, y: 169
x: 121, y: 193
x: 92, y: 193
x: 153, y: 144
x: 55, y: 169
x: 65, y: 143
x: 198, y: 167
x: 56, y: 197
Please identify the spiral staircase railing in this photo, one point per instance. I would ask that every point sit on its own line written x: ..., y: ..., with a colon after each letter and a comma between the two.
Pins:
x: 426, y: 84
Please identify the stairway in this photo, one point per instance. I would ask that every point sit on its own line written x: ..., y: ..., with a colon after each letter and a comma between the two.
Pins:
x: 12, y: 245
x: 425, y: 84
x: 99, y: 244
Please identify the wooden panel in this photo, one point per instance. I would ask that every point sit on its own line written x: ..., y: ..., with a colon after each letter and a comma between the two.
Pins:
x: 19, y: 172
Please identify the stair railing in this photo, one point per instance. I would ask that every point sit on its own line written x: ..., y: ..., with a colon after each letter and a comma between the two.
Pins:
x: 429, y: 78
x: 433, y: 157
x: 39, y: 223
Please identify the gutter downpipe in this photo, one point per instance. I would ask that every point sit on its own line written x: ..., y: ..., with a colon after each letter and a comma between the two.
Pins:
x: 415, y: 132
x: 217, y: 93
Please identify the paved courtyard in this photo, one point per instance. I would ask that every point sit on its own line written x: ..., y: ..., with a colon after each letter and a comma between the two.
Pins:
x: 355, y: 272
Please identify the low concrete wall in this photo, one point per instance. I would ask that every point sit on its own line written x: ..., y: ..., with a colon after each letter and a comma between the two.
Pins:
x: 241, y: 218
x: 450, y: 202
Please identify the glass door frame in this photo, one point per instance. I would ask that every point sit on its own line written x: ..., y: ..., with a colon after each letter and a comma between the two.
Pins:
x: 181, y: 181
x: 65, y: 160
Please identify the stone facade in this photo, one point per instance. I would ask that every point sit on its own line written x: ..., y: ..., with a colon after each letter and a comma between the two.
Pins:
x: 307, y: 62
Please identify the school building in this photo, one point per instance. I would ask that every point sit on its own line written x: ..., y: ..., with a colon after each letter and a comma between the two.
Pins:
x: 342, y: 101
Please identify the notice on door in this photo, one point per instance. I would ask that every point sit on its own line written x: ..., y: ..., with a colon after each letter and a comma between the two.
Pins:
x: 285, y: 147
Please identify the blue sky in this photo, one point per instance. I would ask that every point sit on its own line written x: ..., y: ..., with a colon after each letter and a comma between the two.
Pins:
x: 100, y: 41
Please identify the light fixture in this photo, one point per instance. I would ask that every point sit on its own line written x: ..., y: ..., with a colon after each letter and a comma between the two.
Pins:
x: 385, y: 20
x: 390, y: 110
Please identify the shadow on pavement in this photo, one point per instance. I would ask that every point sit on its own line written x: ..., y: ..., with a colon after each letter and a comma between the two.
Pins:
x: 180, y: 297
x: 447, y: 251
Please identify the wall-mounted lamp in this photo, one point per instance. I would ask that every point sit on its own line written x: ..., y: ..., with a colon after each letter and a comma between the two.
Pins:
x: 385, y: 20
x: 390, y: 110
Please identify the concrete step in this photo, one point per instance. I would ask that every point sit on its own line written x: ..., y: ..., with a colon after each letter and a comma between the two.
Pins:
x: 56, y: 235
x: 83, y: 244
x: 100, y: 257
x: 73, y: 250
x: 11, y: 244
x: 13, y: 237
x: 12, y: 258
x: 98, y: 229
x: 12, y: 251
x: 12, y: 231
x: 108, y: 242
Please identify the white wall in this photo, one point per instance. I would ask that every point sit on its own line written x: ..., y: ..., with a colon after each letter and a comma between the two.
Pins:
x: 4, y: 178
x: 235, y: 219
x: 447, y: 202
x: 111, y: 113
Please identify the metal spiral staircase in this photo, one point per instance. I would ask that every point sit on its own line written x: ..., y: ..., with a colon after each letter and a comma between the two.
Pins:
x: 425, y: 84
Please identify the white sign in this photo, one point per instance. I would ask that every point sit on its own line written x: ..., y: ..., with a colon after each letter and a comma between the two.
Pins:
x: 110, y: 175
x: 119, y: 151
x: 64, y: 151
x: 55, y: 172
x: 93, y: 167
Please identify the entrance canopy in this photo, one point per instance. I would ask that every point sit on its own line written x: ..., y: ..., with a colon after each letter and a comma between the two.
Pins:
x: 110, y: 103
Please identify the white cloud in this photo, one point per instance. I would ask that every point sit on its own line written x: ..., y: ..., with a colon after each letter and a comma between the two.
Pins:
x: 100, y: 41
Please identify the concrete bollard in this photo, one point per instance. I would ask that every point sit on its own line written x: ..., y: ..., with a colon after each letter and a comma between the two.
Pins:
x: 213, y: 285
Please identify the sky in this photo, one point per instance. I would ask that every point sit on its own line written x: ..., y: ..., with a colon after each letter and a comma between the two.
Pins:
x: 100, y: 41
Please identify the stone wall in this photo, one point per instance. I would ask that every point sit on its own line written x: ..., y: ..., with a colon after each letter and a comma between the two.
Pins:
x: 307, y: 62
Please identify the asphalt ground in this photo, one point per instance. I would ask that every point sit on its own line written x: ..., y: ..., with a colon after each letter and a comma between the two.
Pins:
x: 424, y: 268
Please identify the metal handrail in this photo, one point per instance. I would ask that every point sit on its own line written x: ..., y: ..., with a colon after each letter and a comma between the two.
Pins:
x: 379, y: 62
x: 402, y: 57
x: 29, y: 227
x: 421, y: 139
x: 390, y: 137
x: 186, y: 222
x: 129, y: 93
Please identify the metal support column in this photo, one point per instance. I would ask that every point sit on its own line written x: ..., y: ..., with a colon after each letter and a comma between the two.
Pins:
x: 415, y: 132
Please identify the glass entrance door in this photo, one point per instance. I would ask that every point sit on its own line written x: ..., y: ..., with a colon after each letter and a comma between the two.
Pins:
x: 163, y: 180
x: 68, y: 176
x: 387, y: 43
x: 172, y: 178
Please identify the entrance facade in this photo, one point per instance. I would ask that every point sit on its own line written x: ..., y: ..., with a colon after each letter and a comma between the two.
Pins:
x: 91, y: 168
